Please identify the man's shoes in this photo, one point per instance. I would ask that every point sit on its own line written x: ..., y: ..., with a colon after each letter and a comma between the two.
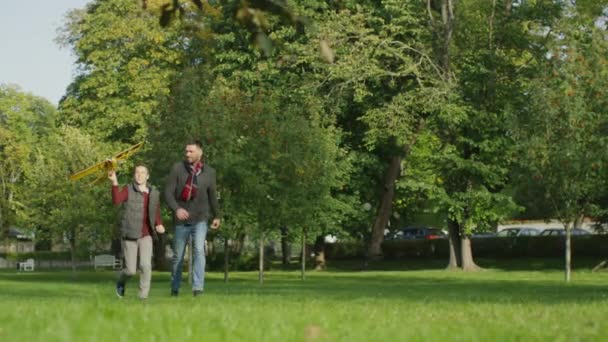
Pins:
x: 120, y: 289
x: 197, y: 293
x: 174, y: 293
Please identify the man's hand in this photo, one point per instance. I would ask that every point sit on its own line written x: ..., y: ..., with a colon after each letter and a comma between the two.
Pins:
x: 112, y: 177
x: 215, y: 224
x: 182, y: 214
x: 160, y: 229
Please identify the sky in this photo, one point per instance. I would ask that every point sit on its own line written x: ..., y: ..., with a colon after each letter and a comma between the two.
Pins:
x: 29, y: 56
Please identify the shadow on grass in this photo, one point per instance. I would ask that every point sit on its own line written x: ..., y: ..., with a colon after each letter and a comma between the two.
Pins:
x: 419, y: 263
x: 439, y: 286
x: 410, y: 287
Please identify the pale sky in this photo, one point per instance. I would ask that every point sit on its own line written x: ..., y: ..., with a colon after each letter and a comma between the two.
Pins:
x: 29, y: 57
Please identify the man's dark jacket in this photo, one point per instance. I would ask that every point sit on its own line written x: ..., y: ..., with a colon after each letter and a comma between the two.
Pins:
x: 203, y: 204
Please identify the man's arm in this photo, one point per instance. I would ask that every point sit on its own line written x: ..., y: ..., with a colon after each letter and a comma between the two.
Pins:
x: 170, y: 189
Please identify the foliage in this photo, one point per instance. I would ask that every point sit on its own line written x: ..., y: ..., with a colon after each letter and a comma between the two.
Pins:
x: 24, y: 122
x: 65, y: 211
x: 564, y: 134
x: 301, y: 130
x: 126, y: 62
x: 274, y: 167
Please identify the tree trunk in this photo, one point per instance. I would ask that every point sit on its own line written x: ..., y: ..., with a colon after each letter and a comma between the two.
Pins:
x: 447, y: 18
x: 190, y: 260
x: 568, y: 250
x: 239, y: 243
x: 455, y: 245
x: 116, y: 248
x: 159, y: 253
x: 508, y: 7
x: 72, y: 240
x: 468, y: 264
x: 461, y: 254
x: 226, y: 258
x: 320, y: 253
x: 303, y: 261
x: 568, y: 255
x: 261, y: 260
x: 285, y: 247
x: 209, y: 248
x: 386, y: 205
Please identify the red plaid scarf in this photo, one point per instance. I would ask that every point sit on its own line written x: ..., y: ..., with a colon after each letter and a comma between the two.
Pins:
x: 189, y: 191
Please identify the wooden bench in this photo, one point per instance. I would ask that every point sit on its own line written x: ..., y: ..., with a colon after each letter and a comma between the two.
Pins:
x: 107, y: 260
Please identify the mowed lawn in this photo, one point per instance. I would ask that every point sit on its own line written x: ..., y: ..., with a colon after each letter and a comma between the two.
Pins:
x: 402, y: 305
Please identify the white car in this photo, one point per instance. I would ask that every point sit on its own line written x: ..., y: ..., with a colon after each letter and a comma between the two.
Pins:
x: 562, y: 232
x: 519, y: 231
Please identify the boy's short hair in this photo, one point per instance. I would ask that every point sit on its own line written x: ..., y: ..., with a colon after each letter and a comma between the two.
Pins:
x: 141, y: 165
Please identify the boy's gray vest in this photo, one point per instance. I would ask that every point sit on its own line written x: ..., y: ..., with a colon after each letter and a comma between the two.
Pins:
x: 133, y: 213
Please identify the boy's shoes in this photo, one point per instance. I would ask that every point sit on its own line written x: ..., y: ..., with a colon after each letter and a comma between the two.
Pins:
x: 120, y: 289
x: 197, y: 293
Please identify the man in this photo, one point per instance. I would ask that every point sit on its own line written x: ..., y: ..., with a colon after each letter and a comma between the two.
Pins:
x: 191, y: 193
x: 141, y: 211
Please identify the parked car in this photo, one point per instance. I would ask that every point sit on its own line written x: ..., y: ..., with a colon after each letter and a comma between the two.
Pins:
x: 483, y: 235
x: 518, y: 231
x: 561, y: 232
x: 413, y: 233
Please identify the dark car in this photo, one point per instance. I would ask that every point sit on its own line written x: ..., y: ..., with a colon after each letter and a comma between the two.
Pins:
x: 562, y: 232
x: 413, y: 233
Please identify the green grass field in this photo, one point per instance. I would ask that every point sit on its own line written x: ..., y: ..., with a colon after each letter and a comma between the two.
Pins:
x: 407, y: 304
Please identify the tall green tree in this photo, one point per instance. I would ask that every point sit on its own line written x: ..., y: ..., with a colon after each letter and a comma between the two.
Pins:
x: 24, y: 122
x: 488, y: 52
x: 565, y: 132
x: 376, y: 91
x: 75, y: 213
x: 125, y: 65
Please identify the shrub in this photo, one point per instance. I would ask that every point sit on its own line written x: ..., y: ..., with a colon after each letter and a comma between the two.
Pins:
x: 492, y: 247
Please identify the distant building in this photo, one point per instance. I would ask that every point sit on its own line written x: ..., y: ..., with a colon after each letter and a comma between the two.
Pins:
x: 17, y: 242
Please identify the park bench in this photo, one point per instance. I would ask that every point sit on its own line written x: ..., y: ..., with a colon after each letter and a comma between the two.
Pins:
x: 27, y: 265
x: 107, y: 260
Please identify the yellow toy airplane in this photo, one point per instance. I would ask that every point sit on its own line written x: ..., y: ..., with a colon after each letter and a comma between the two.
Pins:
x: 106, y: 165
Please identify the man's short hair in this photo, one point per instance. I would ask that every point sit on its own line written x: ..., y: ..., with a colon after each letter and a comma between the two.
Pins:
x: 195, y: 142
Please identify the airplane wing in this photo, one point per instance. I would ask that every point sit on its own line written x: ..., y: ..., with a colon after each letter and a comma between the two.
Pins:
x: 128, y: 152
x: 104, y: 165
x: 108, y: 164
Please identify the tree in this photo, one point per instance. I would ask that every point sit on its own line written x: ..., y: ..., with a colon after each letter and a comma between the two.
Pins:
x: 24, y: 121
x: 564, y: 133
x: 374, y: 89
x: 488, y: 52
x: 126, y: 63
x: 66, y: 211
x: 275, y: 166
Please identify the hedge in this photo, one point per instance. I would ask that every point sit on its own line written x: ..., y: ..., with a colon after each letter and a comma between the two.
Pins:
x: 492, y: 247
x: 44, y: 255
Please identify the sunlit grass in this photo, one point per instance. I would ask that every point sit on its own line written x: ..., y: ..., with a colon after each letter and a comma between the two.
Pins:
x: 418, y: 305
